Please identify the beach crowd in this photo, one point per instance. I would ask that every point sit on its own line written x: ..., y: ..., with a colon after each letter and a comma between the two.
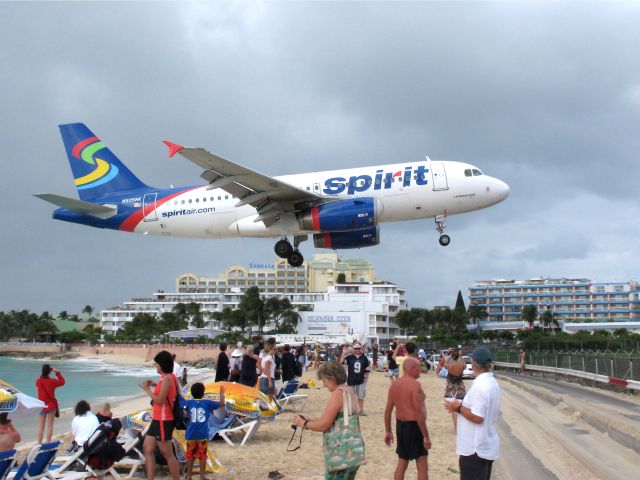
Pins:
x: 344, y: 371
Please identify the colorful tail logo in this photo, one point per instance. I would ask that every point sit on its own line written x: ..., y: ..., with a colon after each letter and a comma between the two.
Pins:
x: 86, y: 150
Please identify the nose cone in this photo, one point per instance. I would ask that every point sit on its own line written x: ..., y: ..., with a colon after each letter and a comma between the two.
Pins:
x: 502, y: 189
x: 497, y: 191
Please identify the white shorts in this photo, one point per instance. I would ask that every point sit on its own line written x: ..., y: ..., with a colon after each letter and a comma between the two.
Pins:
x: 360, y: 390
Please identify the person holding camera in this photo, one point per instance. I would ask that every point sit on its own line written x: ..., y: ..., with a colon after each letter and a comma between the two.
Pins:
x: 46, y: 387
x: 332, y: 422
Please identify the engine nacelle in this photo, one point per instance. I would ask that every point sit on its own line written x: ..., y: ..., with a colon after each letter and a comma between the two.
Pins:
x: 360, y: 238
x: 339, y: 215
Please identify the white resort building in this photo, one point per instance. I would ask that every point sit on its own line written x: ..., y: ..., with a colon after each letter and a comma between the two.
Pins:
x: 359, y: 307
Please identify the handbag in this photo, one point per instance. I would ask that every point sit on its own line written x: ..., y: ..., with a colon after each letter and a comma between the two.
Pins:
x: 342, y: 444
x: 180, y: 419
x: 443, y: 373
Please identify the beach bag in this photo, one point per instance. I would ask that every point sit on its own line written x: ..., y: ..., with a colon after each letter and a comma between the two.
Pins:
x: 180, y: 418
x: 443, y: 373
x: 342, y: 444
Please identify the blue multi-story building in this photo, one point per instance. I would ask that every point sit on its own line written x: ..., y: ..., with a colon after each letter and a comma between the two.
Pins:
x: 571, y: 300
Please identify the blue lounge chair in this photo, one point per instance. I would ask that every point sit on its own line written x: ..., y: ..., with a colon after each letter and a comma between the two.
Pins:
x: 230, y: 425
x: 36, y: 465
x: 7, y: 461
x: 288, y: 394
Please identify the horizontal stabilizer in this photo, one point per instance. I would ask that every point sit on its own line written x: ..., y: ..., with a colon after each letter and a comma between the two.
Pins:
x: 78, y: 206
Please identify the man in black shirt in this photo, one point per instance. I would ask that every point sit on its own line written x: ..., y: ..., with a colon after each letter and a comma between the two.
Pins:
x: 357, y: 372
x: 222, y: 365
x: 288, y: 364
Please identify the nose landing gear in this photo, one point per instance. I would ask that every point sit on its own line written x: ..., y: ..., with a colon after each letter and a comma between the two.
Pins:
x: 444, y: 240
x: 284, y: 249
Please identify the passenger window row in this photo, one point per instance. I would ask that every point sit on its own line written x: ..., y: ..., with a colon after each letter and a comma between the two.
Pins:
x: 204, y: 199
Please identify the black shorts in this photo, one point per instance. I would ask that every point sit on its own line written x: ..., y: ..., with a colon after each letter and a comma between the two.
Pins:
x: 161, y: 431
x: 410, y: 442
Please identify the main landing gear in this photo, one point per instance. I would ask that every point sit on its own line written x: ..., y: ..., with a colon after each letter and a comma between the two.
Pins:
x: 284, y: 249
x: 444, y: 239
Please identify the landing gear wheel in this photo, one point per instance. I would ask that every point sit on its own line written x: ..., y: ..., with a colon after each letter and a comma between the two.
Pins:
x: 295, y: 259
x: 444, y: 240
x: 283, y: 248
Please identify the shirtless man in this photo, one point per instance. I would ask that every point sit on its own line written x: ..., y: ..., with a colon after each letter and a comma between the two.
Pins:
x: 9, y: 436
x: 408, y: 398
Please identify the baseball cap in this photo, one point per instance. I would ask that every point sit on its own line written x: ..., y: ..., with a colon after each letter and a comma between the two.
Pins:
x: 481, y: 356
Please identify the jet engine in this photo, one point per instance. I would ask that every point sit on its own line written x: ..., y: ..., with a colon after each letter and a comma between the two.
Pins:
x: 339, y: 215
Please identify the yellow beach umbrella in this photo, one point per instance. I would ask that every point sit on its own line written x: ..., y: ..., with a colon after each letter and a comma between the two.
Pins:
x: 242, y: 400
x: 11, y: 398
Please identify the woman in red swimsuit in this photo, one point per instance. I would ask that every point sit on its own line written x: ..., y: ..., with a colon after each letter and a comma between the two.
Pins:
x: 162, y: 425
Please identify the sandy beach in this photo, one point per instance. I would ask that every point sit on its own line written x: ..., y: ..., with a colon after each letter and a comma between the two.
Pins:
x: 267, y: 449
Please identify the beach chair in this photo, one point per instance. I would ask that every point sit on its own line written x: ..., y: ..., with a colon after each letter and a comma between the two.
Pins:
x: 7, y: 461
x: 99, y: 448
x: 288, y: 395
x: 133, y: 457
x: 36, y: 465
x: 234, y: 424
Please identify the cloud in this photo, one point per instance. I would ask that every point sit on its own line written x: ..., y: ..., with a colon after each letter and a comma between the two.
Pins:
x: 541, y: 95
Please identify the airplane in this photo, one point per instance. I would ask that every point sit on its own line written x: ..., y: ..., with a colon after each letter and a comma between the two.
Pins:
x: 340, y: 209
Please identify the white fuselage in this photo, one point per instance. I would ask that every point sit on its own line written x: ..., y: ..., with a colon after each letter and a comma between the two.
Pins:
x: 406, y: 191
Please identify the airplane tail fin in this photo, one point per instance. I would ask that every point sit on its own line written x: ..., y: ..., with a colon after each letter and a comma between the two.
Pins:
x: 96, y: 170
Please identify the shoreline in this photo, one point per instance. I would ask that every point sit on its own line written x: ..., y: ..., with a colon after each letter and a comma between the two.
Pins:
x: 121, y: 407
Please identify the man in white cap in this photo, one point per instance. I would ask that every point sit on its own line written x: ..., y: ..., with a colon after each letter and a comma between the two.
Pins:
x: 477, y: 441
x: 235, y: 362
x: 357, y: 372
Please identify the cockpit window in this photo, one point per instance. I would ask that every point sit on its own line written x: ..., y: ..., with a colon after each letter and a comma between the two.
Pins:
x: 476, y: 172
x: 467, y: 172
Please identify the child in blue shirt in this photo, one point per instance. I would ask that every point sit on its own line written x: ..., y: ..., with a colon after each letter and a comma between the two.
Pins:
x: 197, y: 433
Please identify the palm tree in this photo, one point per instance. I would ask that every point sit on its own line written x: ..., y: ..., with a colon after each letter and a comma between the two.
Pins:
x: 63, y: 315
x: 529, y: 315
x: 290, y: 319
x: 231, y: 319
x: 180, y: 309
x: 277, y: 308
x: 170, y: 321
x: 404, y: 319
x: 547, y: 318
x: 88, y: 309
x: 476, y: 313
x: 193, y: 310
x: 253, y: 307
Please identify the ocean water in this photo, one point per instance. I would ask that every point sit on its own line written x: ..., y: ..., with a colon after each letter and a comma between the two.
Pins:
x: 86, y: 379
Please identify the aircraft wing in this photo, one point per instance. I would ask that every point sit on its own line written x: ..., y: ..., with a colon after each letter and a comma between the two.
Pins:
x: 271, y: 197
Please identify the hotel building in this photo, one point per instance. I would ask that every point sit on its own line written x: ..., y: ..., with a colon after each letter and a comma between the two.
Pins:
x: 571, y: 300
x: 315, y: 275
x: 360, y: 307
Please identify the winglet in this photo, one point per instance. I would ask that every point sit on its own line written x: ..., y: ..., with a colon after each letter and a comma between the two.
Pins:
x: 173, y: 147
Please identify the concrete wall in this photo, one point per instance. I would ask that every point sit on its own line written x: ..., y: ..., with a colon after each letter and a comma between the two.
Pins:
x: 11, y: 347
x: 147, y: 352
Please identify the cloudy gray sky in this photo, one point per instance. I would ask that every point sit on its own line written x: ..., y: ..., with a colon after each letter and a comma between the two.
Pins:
x: 545, y: 96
